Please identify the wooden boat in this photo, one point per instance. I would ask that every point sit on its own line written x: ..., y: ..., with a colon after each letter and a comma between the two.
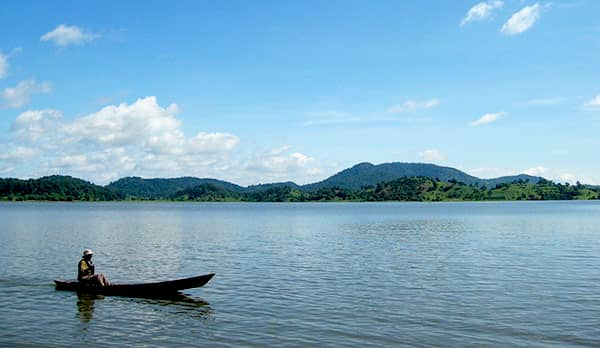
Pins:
x: 158, y: 289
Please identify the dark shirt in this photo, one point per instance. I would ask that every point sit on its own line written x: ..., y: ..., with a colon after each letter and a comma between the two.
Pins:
x: 85, y: 269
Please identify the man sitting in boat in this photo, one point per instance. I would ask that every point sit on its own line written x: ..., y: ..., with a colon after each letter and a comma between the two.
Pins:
x: 85, y: 271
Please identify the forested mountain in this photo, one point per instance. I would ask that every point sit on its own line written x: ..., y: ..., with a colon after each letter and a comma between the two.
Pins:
x: 417, y: 189
x: 363, y: 182
x: 136, y: 187
x: 264, y: 187
x: 55, y: 188
x: 364, y: 174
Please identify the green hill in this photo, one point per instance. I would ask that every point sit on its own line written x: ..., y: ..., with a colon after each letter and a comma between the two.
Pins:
x: 363, y: 182
x: 418, y: 189
x: 136, y: 187
x: 54, y: 188
x: 265, y: 187
x: 364, y: 174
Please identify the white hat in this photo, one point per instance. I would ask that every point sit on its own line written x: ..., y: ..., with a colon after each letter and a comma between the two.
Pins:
x: 87, y: 252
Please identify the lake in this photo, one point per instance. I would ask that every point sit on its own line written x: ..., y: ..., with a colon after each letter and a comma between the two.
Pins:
x: 331, y: 274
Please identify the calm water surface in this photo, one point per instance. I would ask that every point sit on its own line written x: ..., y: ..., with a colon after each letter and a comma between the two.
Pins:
x: 390, y: 274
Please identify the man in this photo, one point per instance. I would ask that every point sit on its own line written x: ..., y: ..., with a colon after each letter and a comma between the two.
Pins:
x: 85, y: 271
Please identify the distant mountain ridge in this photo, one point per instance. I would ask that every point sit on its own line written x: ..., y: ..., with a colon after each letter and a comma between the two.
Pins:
x: 365, y: 173
x: 363, y: 182
x: 157, y: 188
x: 360, y: 175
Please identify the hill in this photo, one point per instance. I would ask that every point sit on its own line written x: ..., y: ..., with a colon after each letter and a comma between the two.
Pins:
x: 136, y: 187
x: 55, y: 188
x: 265, y: 187
x: 418, y: 189
x: 65, y: 188
x: 344, y: 185
x: 365, y: 174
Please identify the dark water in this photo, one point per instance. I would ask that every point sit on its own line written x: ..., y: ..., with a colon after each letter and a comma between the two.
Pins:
x: 391, y: 274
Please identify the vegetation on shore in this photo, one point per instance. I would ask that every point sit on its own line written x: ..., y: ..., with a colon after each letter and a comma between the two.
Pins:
x: 55, y: 188
x: 65, y: 188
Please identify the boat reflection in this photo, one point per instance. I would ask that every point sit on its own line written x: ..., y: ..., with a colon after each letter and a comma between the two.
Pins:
x: 85, y: 306
x: 179, y: 303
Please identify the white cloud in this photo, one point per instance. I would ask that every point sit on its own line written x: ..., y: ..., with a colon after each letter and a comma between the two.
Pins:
x: 3, y: 65
x: 574, y: 178
x: 279, y: 161
x: 314, y: 171
x: 279, y: 150
x: 141, y: 138
x: 593, y: 104
x: 147, y: 126
x: 19, y: 96
x: 486, y: 172
x: 522, y: 20
x: 487, y: 118
x: 17, y: 153
x: 412, y: 106
x: 4, y: 61
x: 536, y: 171
x: 554, y: 175
x: 433, y: 155
x: 32, y: 125
x: 567, y: 177
x: 64, y: 35
x: 481, y: 11
x: 143, y: 122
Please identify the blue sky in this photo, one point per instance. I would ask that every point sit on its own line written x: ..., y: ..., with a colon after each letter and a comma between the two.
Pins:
x: 265, y: 91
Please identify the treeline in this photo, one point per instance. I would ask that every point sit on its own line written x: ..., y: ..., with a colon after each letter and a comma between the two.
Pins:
x: 55, y: 188
x: 417, y: 189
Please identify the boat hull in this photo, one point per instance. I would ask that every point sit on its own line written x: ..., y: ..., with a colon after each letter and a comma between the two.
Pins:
x: 157, y: 289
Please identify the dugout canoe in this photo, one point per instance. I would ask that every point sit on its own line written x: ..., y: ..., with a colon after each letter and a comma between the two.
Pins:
x: 157, y: 289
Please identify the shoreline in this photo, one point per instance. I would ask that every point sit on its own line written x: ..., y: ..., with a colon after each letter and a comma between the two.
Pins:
x: 299, y: 202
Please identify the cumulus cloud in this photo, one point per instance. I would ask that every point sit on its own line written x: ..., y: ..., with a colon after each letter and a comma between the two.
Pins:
x: 3, y: 65
x: 19, y: 96
x: 147, y: 126
x: 32, y: 125
x: 593, y: 104
x: 65, y: 35
x: 279, y: 160
x: 481, y: 11
x: 536, y: 171
x: 141, y: 138
x: 412, y: 106
x: 522, y: 20
x: 433, y: 155
x: 487, y: 118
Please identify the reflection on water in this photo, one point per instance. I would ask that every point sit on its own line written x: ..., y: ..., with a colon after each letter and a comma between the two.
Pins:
x: 180, y: 304
x: 448, y: 274
x: 85, y: 306
x: 177, y: 304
